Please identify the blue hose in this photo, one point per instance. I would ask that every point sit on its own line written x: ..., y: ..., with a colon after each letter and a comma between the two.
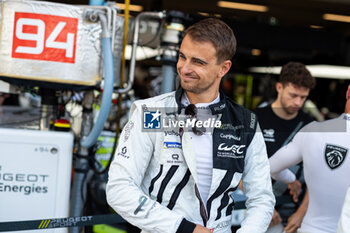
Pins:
x: 96, y: 2
x: 91, y: 139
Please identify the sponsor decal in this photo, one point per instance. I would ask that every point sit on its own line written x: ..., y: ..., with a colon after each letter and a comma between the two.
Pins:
x: 234, y: 151
x: 222, y: 106
x: 143, y: 201
x: 334, y: 155
x: 230, y: 136
x: 123, y: 153
x: 152, y: 119
x: 44, y: 224
x: 172, y: 145
x: 127, y: 130
x: 224, y: 224
x: 269, y: 135
x: 44, y: 37
x: 171, y: 133
x: 26, y: 183
x: 174, y: 159
x: 230, y: 127
x: 234, y: 148
x: 63, y: 222
x: 252, y: 120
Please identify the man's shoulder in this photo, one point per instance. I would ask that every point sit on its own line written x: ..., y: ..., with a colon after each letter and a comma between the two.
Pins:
x: 156, y: 100
x: 262, y: 110
x: 332, y: 125
x: 305, y: 117
x: 265, y: 114
x: 159, y: 102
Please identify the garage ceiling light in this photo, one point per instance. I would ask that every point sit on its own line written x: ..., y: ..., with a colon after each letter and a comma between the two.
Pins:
x: 243, y: 6
x: 316, y: 26
x: 318, y: 71
x: 339, y: 18
x: 203, y: 13
x: 137, y: 8
x: 256, y: 52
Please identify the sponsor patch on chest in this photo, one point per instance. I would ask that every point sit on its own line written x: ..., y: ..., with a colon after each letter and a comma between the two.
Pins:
x: 168, y: 145
x: 335, y: 155
x: 231, y: 151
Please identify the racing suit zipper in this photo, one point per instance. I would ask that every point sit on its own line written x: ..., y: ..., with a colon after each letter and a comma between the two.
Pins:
x: 203, y: 210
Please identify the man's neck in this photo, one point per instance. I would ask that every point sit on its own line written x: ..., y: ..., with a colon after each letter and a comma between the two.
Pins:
x: 280, y: 112
x: 201, y: 98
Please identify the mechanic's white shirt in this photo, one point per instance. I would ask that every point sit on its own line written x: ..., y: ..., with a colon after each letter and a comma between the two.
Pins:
x: 203, y: 147
x: 327, y: 181
x: 344, y: 220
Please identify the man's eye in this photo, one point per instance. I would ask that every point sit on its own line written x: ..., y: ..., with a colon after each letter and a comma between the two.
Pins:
x: 199, y: 62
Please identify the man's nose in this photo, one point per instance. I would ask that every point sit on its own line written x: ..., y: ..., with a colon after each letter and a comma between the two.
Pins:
x: 185, y: 68
x: 299, y: 101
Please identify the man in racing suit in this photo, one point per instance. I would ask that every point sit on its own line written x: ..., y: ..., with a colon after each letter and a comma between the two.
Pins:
x: 156, y: 180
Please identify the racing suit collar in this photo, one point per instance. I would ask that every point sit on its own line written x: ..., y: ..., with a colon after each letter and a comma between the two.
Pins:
x: 215, y: 108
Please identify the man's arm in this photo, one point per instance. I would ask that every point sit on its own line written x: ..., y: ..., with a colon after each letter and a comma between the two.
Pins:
x: 256, y: 182
x: 286, y: 157
x: 295, y: 220
x: 126, y: 174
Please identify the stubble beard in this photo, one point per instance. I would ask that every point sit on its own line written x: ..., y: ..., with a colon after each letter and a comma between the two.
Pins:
x: 287, y: 110
x: 196, y: 89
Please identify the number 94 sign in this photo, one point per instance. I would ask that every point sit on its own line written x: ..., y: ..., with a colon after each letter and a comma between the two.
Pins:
x: 44, y: 37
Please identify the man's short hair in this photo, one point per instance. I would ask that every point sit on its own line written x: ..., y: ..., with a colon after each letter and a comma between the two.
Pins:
x: 297, y: 74
x: 218, y: 33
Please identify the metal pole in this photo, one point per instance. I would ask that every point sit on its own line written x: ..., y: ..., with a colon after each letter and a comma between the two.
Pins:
x: 168, y: 78
x: 81, y: 165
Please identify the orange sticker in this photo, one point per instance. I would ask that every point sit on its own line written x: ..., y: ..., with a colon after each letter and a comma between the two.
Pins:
x: 44, y: 37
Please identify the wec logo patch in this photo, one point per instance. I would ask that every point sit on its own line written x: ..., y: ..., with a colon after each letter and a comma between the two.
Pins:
x: 335, y: 155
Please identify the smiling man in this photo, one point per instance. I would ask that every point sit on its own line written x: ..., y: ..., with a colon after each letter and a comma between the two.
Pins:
x: 182, y: 179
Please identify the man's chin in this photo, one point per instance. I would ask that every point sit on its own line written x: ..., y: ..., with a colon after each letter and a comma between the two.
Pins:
x: 292, y: 111
x: 189, y: 89
x: 188, y: 86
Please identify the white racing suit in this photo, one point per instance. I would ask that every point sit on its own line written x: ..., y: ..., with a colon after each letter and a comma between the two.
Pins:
x: 152, y: 180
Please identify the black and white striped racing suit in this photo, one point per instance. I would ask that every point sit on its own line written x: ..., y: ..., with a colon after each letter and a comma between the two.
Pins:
x: 152, y: 180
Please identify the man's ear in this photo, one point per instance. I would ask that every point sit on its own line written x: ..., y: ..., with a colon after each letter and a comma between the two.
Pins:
x: 347, y: 104
x: 279, y: 87
x: 225, y: 67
